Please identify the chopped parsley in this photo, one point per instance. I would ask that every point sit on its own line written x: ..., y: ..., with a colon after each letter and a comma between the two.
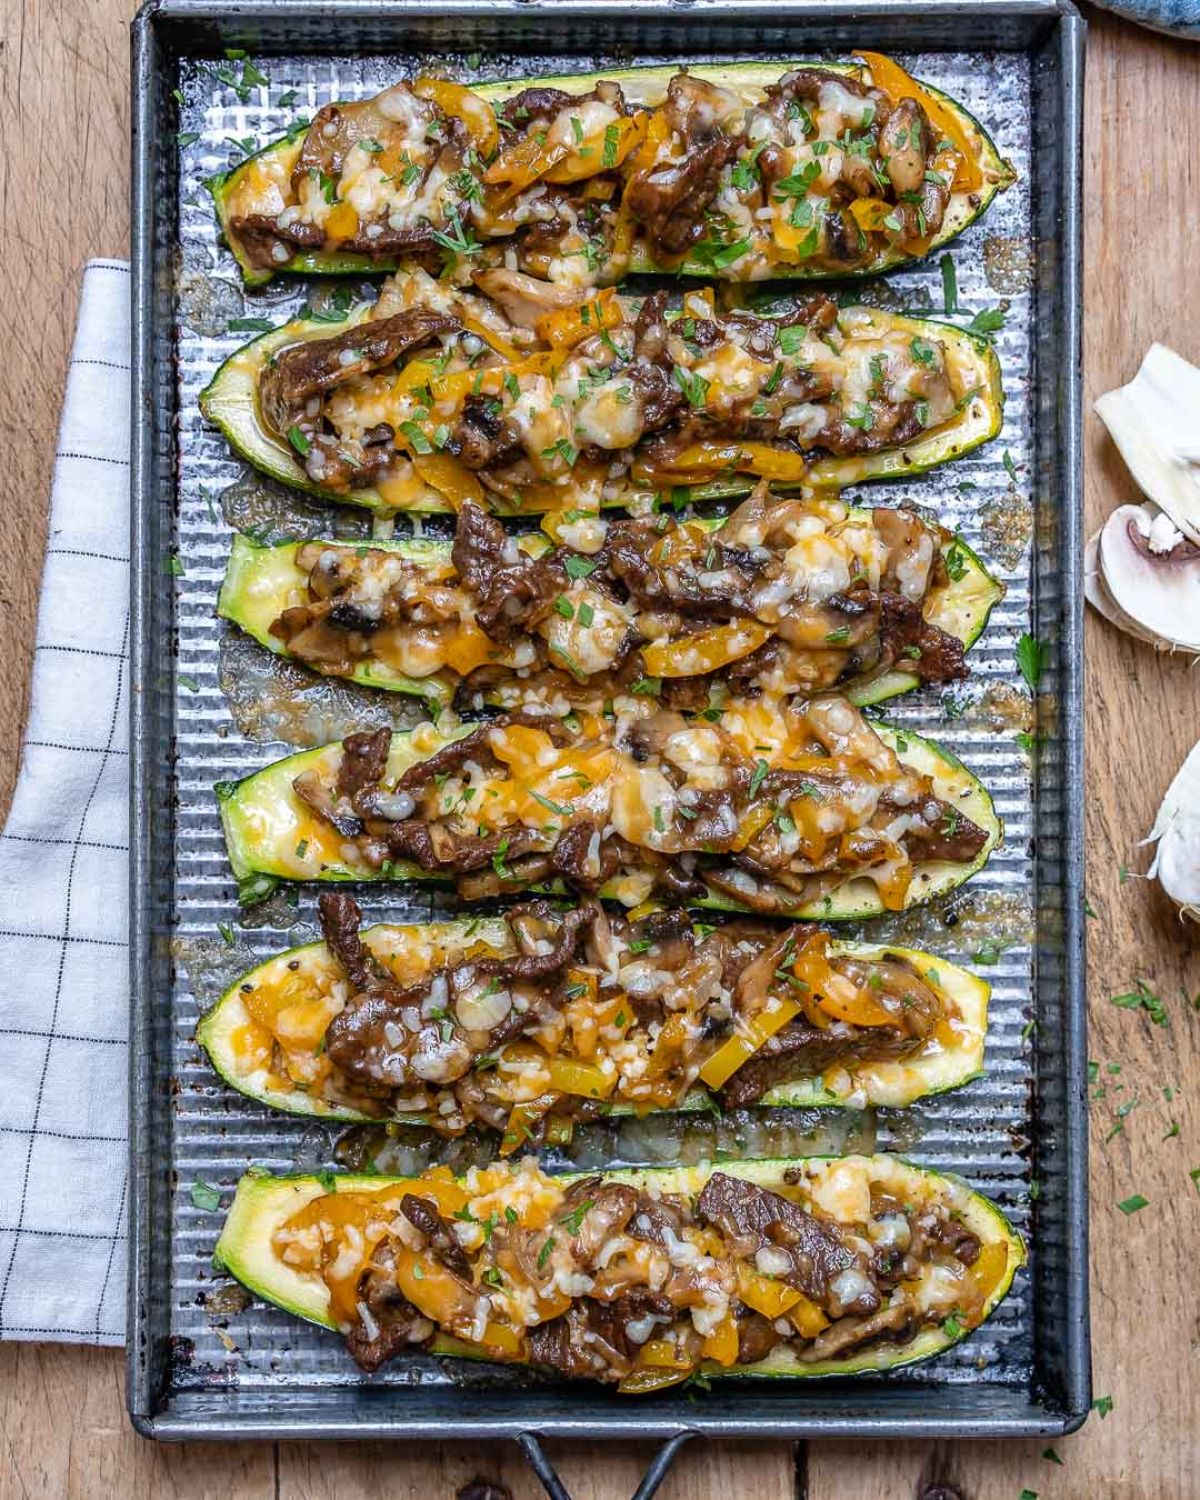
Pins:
x: 574, y: 1220
x: 1142, y: 997
x: 1032, y: 656
x: 647, y: 687
x: 956, y: 562
x: 718, y: 255
x: 545, y: 1252
x: 839, y: 636
x: 694, y: 387
x: 562, y: 606
x: 498, y: 864
x: 554, y: 807
x: 1133, y: 1204
x: 204, y: 1195
x: 1102, y: 1405
x: 612, y: 141
x: 861, y: 416
x: 420, y: 443
x: 949, y: 286
x: 990, y: 320
x: 922, y: 351
x: 298, y: 440
x: 1010, y: 468
x: 760, y: 773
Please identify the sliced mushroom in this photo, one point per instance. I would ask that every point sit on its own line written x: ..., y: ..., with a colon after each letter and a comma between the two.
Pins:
x: 1176, y: 831
x: 1155, y: 422
x: 1144, y: 575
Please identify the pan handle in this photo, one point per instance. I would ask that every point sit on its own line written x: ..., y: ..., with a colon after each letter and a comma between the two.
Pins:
x: 535, y: 1455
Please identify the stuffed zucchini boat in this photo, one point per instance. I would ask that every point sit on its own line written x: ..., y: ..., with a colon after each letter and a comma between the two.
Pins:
x: 529, y: 399
x: 793, y: 595
x: 741, y: 170
x: 636, y: 1278
x: 799, y: 809
x: 532, y: 1022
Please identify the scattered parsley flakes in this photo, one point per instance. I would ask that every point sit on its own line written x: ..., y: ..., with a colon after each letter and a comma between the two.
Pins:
x: 956, y: 562
x: 226, y: 932
x: 1143, y: 998
x: 988, y: 952
x: 1010, y: 468
x: 949, y: 285
x: 647, y: 687
x: 1133, y: 1204
x: 760, y: 773
x: 952, y: 1327
x: 694, y: 387
x: 1102, y: 1405
x: 299, y: 441
x: 579, y: 567
x: 545, y: 1252
x: 988, y: 321
x: 1052, y: 1457
x: 204, y: 1195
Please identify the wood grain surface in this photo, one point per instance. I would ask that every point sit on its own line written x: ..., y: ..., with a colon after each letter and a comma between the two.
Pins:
x: 63, y: 1430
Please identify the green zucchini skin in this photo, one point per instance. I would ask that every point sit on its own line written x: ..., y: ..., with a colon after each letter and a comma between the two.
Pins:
x: 264, y: 1202
x: 258, y: 580
x: 949, y: 1068
x: 641, y: 85
x: 268, y: 834
x: 230, y: 403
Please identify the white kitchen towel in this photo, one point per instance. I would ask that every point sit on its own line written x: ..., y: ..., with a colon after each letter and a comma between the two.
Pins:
x: 64, y: 992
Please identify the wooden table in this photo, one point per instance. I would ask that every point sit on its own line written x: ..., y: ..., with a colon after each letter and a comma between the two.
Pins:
x: 63, y: 1431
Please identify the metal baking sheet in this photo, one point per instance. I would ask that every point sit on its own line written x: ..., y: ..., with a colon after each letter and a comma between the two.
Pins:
x: 200, y: 1367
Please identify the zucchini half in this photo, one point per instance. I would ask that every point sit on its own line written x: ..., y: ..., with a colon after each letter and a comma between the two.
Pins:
x: 230, y: 402
x: 260, y: 582
x: 886, y: 1083
x: 645, y: 87
x: 264, y: 1203
x: 271, y: 835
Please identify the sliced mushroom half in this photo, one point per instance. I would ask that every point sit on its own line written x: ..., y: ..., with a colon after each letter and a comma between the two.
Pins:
x: 1143, y: 574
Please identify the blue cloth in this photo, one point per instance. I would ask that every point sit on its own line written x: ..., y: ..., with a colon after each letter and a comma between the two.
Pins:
x: 1176, y: 17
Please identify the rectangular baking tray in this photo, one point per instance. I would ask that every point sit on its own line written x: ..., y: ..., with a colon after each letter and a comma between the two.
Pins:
x: 1019, y: 1134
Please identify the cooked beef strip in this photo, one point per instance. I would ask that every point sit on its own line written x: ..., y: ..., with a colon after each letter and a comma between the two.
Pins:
x: 423, y: 1214
x: 895, y: 1322
x: 801, y: 1050
x: 258, y: 234
x: 913, y: 645
x: 310, y: 368
x: 592, y: 1337
x: 670, y: 200
x: 752, y: 1217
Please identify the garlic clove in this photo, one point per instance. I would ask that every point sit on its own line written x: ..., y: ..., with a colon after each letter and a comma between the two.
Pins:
x: 1176, y: 831
x: 1152, y: 573
x: 1155, y: 422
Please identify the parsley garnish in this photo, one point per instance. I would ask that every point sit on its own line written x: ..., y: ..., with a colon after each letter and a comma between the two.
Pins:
x: 694, y: 387
x: 575, y: 1218
x: 302, y: 444
x: 579, y: 567
x: 204, y: 1195
x: 544, y: 1252
x: 1143, y: 998
x: 1032, y: 656
x: 1133, y: 1204
x: 949, y: 285
x: 956, y: 562
x: 760, y: 773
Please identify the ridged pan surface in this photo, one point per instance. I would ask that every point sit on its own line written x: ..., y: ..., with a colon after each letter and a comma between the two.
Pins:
x: 981, y: 1131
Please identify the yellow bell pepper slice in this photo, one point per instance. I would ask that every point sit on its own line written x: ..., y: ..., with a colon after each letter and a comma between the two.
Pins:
x: 500, y: 344
x: 570, y: 1076
x: 341, y: 222
x: 752, y: 824
x: 523, y: 163
x: 522, y: 1122
x: 706, y: 460
x: 891, y: 78
x: 763, y: 1293
x: 455, y: 100
x: 642, y: 1381
x: 601, y: 152
x: 742, y: 1045
x: 707, y: 651
x: 806, y: 1317
x: 663, y: 1354
x: 449, y: 477
x: 432, y: 1290
x: 568, y: 326
x: 870, y: 213
x: 721, y: 1346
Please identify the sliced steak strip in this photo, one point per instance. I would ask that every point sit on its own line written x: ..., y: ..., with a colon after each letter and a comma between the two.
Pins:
x: 753, y: 1218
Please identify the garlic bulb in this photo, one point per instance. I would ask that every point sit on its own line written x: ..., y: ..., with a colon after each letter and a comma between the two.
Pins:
x: 1176, y: 831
